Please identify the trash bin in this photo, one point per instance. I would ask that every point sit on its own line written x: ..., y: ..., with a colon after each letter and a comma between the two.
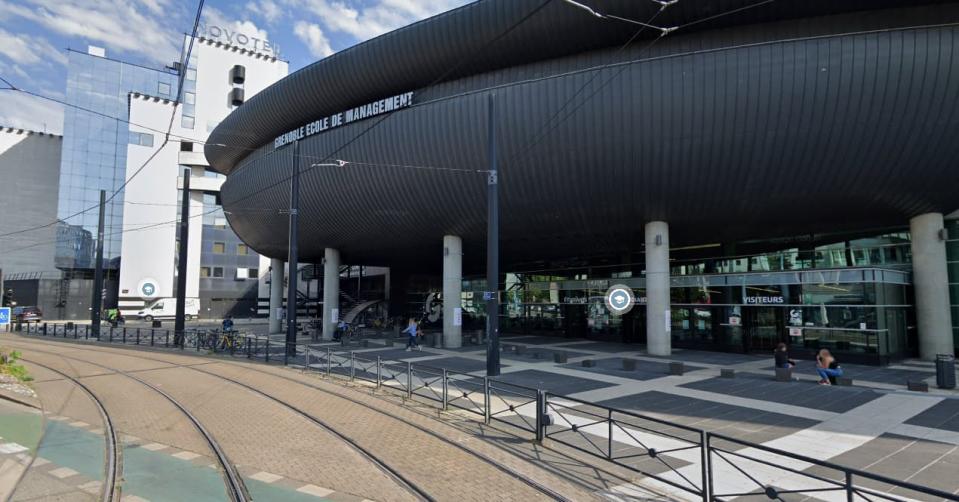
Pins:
x: 946, y: 371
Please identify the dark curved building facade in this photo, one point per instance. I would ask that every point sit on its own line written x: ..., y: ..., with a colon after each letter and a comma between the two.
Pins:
x: 765, y: 136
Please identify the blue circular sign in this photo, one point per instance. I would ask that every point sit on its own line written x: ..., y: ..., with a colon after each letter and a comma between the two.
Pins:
x: 619, y: 299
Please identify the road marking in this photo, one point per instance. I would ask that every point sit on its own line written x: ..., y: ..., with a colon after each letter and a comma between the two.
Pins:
x: 63, y: 472
x: 314, y: 490
x: 185, y: 455
x: 12, y: 448
x: 153, y: 446
x: 266, y: 477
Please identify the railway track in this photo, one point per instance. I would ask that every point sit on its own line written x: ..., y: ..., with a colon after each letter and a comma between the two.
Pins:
x: 403, y: 481
x: 236, y: 490
x: 109, y: 492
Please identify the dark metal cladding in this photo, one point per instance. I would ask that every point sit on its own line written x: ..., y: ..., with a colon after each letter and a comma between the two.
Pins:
x: 788, y: 118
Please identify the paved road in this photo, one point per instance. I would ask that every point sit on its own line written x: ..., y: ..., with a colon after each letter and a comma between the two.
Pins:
x: 272, y: 444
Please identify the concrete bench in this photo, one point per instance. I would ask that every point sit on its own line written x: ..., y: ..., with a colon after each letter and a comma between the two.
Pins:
x: 677, y: 368
x: 589, y: 363
x: 784, y: 374
x: 727, y: 373
x: 560, y: 357
x: 629, y: 364
x: 917, y: 386
x: 844, y: 381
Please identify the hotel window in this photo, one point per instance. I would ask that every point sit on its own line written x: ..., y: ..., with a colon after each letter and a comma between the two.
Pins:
x: 164, y: 89
x: 253, y: 273
x: 241, y: 273
x: 189, y: 98
x: 142, y: 139
x: 191, y: 74
x: 219, y: 247
x: 218, y: 272
x: 204, y: 271
x: 187, y: 122
x: 242, y: 250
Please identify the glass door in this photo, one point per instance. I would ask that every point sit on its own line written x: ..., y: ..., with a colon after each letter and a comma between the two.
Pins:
x: 765, y: 328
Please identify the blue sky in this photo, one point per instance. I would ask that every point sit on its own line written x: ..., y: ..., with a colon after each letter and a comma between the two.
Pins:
x: 34, y: 36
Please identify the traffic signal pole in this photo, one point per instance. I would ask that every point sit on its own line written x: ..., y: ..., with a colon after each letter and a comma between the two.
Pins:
x: 97, y: 301
x: 492, y: 252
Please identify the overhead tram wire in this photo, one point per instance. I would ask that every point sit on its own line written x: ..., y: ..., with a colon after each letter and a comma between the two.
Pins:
x: 596, y: 72
x: 380, y: 120
x: 166, y: 139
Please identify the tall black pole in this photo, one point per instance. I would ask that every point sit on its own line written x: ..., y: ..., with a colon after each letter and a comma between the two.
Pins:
x: 179, y: 324
x: 293, y: 257
x: 97, y: 302
x: 492, y: 252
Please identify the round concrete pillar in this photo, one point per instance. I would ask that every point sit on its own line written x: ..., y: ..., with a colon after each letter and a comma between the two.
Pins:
x: 276, y: 294
x: 658, y: 338
x: 331, y: 292
x: 931, y: 284
x: 452, y: 291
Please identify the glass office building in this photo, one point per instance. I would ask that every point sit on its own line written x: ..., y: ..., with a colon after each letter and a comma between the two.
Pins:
x: 94, y: 152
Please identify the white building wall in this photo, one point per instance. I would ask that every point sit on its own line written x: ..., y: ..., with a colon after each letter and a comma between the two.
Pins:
x: 150, y: 254
x: 30, y: 171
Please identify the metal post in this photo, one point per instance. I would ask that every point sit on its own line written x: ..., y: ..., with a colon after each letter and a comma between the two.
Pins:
x: 86, y: 332
x: 446, y: 389
x: 138, y: 337
x: 179, y: 323
x: 379, y: 371
x: 307, y: 357
x: 540, y: 409
x: 486, y: 405
x: 124, y: 335
x: 111, y: 334
x: 609, y: 420
x: 151, y: 337
x: 492, y: 251
x: 293, y: 252
x: 268, y: 349
x: 97, y: 303
x: 352, y: 365
x: 329, y: 363
x: 409, y: 380
x: 707, y: 467
x: 45, y: 329
x: 850, y: 494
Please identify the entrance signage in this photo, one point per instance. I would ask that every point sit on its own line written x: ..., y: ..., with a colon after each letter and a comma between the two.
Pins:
x: 457, y: 316
x: 764, y: 300
x: 4, y: 315
x: 795, y: 332
x: 232, y: 37
x: 619, y: 299
x: 148, y: 288
x: 366, y: 111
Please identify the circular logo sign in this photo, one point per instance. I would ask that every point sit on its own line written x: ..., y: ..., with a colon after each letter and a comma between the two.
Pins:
x: 147, y: 288
x: 619, y: 299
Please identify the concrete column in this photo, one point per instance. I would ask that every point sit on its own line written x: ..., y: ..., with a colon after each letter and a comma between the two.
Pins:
x: 331, y: 292
x: 931, y: 283
x: 658, y: 337
x: 276, y: 294
x: 452, y: 290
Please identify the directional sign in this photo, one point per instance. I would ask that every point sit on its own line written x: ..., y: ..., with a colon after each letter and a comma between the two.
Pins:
x: 4, y: 315
x: 619, y: 299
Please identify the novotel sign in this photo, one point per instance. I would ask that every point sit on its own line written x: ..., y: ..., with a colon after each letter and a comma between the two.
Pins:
x: 338, y: 119
x: 235, y: 38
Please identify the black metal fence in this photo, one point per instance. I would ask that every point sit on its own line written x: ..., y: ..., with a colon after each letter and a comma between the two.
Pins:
x: 687, y: 462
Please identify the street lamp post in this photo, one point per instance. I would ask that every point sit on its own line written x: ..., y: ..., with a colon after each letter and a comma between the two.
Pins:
x: 292, y: 258
x: 492, y: 251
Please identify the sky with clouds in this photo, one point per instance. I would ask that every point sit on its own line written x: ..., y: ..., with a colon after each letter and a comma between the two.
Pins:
x: 34, y: 36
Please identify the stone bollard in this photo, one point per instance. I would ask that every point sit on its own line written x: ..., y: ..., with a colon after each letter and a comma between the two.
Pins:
x: 589, y: 363
x: 784, y: 374
x: 560, y: 357
x: 676, y: 369
x: 629, y: 364
x: 917, y: 386
x: 727, y: 373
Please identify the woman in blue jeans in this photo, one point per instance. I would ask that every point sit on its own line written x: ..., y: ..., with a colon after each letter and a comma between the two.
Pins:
x: 827, y: 367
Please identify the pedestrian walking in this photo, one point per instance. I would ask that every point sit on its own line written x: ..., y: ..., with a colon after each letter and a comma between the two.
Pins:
x: 411, y: 331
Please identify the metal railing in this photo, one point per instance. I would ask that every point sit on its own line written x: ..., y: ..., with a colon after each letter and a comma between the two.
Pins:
x: 684, y: 461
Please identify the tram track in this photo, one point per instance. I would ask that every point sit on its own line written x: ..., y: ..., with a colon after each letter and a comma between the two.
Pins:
x: 236, y: 490
x: 112, y: 470
x: 418, y: 491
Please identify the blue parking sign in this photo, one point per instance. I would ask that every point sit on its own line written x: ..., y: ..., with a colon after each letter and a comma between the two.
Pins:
x: 4, y: 315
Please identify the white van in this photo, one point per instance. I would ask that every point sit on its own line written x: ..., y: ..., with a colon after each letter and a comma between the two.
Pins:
x: 165, y: 308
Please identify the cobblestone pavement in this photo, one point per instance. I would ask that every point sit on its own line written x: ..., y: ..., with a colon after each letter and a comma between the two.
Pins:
x: 257, y: 433
x: 874, y: 425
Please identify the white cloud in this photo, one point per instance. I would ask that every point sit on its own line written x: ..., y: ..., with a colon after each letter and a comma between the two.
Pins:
x: 117, y: 24
x: 213, y: 16
x: 363, y: 22
x: 267, y: 9
x: 312, y: 35
x: 27, y: 112
x: 28, y: 50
